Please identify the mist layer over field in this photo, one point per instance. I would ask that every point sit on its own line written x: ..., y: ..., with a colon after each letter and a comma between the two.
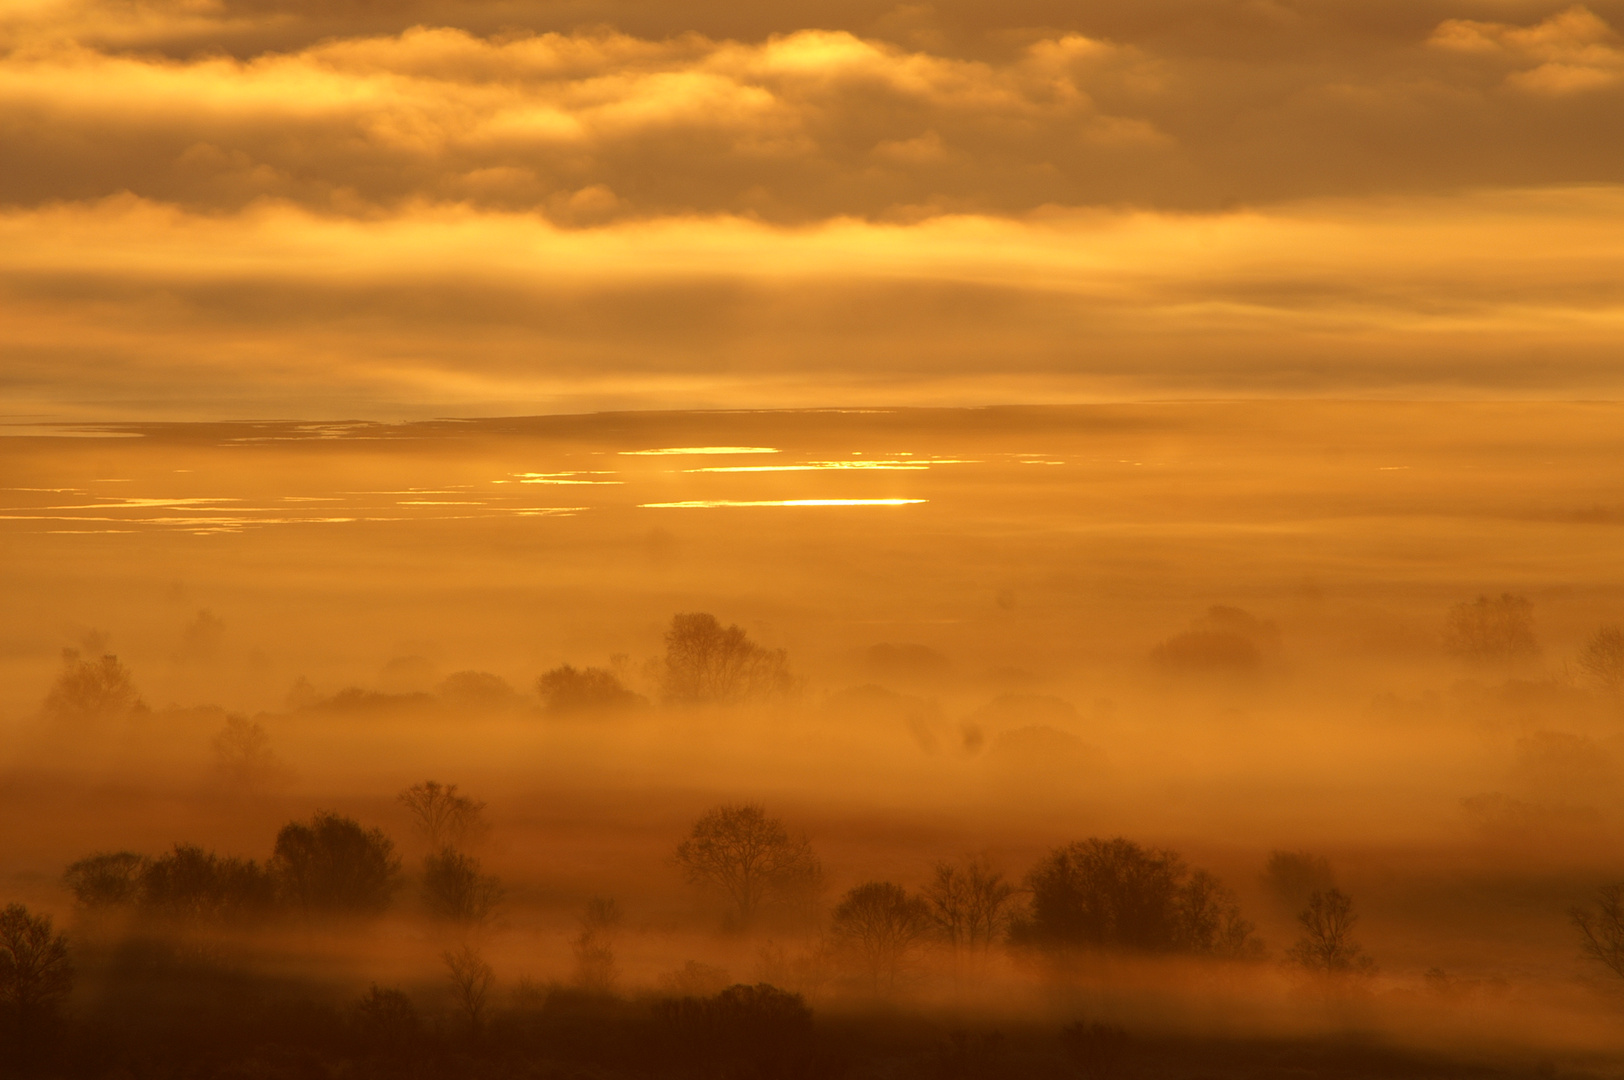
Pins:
x: 1228, y: 631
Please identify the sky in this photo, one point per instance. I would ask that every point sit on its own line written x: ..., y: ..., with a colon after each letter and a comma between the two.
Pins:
x: 254, y: 208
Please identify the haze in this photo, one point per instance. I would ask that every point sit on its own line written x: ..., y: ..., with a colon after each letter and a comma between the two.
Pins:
x: 1149, y: 470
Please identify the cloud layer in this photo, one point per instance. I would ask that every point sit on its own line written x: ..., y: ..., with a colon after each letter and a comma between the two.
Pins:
x: 203, y: 198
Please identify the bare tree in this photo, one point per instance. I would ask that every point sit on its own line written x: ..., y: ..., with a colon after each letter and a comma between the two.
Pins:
x: 594, y: 946
x: 969, y: 904
x: 35, y: 971
x: 882, y: 925
x: 1603, y: 658
x: 471, y: 980
x: 1601, y: 930
x: 1327, y: 946
x: 90, y: 690
x: 749, y: 857
x: 445, y: 818
x: 1492, y: 631
x: 706, y: 663
x: 456, y: 889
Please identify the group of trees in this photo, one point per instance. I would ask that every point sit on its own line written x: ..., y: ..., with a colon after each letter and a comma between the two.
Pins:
x: 455, y: 886
x: 1091, y: 896
x: 330, y: 865
x: 705, y: 663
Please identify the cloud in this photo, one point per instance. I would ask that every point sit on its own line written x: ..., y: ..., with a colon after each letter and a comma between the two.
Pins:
x: 277, y: 309
x: 1571, y: 52
x: 505, y: 205
x: 799, y: 126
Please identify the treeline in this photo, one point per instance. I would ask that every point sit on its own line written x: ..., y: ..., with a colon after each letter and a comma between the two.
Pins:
x: 329, y: 866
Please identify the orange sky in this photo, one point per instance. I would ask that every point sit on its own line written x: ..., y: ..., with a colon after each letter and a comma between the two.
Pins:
x: 251, y: 207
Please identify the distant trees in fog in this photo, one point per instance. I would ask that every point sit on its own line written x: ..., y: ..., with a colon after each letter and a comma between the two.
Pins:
x: 335, y: 866
x: 566, y: 690
x: 106, y: 880
x: 881, y: 925
x: 1327, y: 946
x: 330, y: 865
x: 970, y: 905
x: 1291, y: 877
x: 456, y: 888
x: 594, y: 946
x: 1602, y: 659
x: 1492, y: 631
x: 748, y: 857
x: 1601, y: 928
x: 91, y: 689
x: 1226, y: 640
x: 190, y: 886
x: 242, y: 753
x: 707, y: 663
x: 1116, y: 895
x: 471, y: 980
x: 443, y: 817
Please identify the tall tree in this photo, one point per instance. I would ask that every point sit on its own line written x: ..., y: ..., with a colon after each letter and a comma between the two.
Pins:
x: 749, y: 857
x: 707, y: 663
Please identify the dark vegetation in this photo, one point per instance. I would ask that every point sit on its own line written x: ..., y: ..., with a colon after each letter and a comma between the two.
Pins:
x: 155, y: 978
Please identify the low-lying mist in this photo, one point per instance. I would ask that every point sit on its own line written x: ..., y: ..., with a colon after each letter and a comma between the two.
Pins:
x: 1104, y: 742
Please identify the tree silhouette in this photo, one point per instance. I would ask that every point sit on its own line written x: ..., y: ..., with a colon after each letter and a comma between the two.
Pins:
x: 36, y: 974
x: 106, y: 879
x: 1114, y: 894
x: 471, y: 979
x: 969, y: 904
x: 566, y: 690
x: 190, y: 885
x: 706, y: 663
x: 1601, y: 931
x: 881, y: 924
x: 335, y: 866
x: 1327, y: 946
x: 1492, y: 631
x: 455, y: 889
x: 594, y: 946
x: 443, y: 817
x: 90, y: 690
x: 1603, y: 659
x: 749, y: 857
x: 242, y: 753
x: 385, y: 1023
